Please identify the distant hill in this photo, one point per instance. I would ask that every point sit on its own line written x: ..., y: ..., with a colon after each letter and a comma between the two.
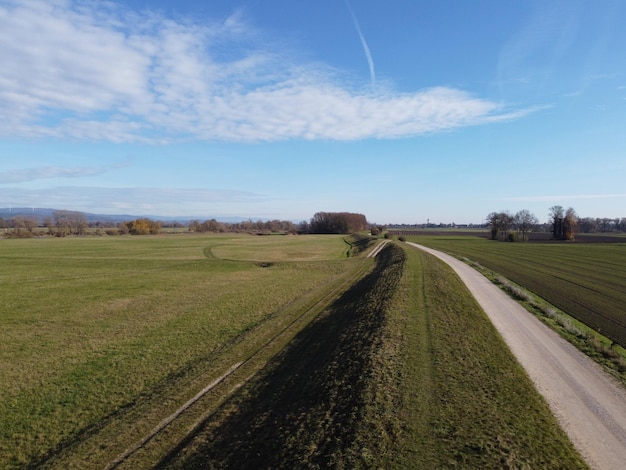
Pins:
x: 42, y: 213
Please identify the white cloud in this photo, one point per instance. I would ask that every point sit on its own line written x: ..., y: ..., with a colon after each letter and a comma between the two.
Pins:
x: 22, y: 175
x: 48, y: 172
x: 138, y: 201
x: 366, y: 49
x: 91, y: 71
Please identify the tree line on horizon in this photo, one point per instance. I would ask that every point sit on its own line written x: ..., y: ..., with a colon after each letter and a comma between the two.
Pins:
x: 64, y: 223
x: 563, y: 224
x: 321, y: 222
x: 247, y: 226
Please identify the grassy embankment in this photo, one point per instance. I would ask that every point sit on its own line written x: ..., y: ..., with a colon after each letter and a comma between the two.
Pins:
x: 104, y: 337
x: 403, y: 371
x: 584, y: 280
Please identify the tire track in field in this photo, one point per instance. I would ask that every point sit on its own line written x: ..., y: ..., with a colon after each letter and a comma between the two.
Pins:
x: 588, y: 403
x: 377, y: 249
x: 163, y: 424
x: 294, y: 325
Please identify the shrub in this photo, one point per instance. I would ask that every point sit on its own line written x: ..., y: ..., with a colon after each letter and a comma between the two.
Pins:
x: 548, y: 311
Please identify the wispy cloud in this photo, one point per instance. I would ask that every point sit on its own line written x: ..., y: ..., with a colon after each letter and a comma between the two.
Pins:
x: 564, y: 197
x: 140, y: 201
x: 366, y: 48
x: 92, y: 71
x: 531, y: 55
x: 47, y: 172
x: 22, y: 175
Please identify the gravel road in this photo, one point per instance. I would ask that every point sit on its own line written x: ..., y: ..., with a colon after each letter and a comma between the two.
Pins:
x: 588, y: 403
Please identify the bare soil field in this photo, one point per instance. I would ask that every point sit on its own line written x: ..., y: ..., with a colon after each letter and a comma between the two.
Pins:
x: 536, y: 237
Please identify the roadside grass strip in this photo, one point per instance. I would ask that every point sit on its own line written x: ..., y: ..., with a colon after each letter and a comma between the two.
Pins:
x: 465, y: 402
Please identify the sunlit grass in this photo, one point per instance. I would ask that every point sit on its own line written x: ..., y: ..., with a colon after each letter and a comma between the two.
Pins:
x: 281, y: 248
x: 99, y: 333
x: 90, y: 325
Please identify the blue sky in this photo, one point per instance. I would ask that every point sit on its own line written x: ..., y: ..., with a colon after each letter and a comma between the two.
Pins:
x: 406, y: 111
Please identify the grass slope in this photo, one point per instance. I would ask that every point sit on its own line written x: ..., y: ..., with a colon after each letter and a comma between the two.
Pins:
x: 403, y: 371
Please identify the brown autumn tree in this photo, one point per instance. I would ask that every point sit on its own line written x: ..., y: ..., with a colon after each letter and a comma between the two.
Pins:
x: 570, y: 224
x: 143, y: 226
x: 337, y: 222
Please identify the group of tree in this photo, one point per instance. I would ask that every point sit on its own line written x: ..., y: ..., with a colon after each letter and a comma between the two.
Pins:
x: 321, y: 222
x: 61, y: 224
x: 20, y: 226
x: 337, y: 222
x: 143, y: 226
x: 603, y: 225
x: 248, y: 226
x: 563, y: 224
x: 508, y: 227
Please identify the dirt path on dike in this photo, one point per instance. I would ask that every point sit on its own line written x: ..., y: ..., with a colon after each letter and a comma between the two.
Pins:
x: 588, y: 403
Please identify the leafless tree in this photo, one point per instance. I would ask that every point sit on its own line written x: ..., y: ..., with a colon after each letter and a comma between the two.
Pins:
x: 588, y: 225
x: 18, y: 223
x: 49, y: 224
x: 525, y: 222
x: 500, y: 223
x: 62, y: 223
x: 78, y: 222
x: 556, y: 214
x: 30, y: 224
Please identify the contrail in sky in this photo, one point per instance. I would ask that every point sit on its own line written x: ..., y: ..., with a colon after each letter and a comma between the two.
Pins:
x: 366, y: 49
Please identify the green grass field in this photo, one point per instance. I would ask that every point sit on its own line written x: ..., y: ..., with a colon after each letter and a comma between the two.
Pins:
x: 347, y: 361
x: 585, y: 280
x: 93, y: 325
